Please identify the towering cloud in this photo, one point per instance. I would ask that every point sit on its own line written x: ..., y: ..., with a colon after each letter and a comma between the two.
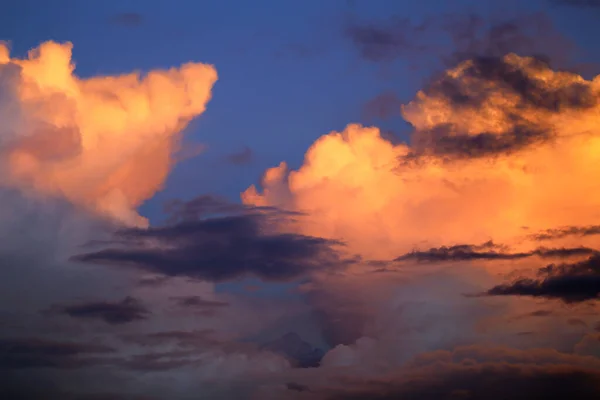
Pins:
x: 501, y: 148
x: 104, y: 143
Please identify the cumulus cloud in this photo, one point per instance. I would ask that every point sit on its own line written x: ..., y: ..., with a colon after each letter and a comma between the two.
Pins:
x: 480, y: 166
x: 93, y: 140
x: 479, y: 186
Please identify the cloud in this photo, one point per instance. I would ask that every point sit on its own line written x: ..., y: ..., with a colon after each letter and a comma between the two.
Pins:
x: 488, y: 251
x: 443, y: 41
x: 243, y: 157
x: 91, y: 140
x: 477, y: 373
x: 197, y: 301
x: 114, y: 313
x: 300, y: 353
x: 42, y: 353
x: 559, y: 233
x: 453, y: 38
x: 219, y: 248
x: 480, y: 165
x: 575, y: 282
x: 478, y: 85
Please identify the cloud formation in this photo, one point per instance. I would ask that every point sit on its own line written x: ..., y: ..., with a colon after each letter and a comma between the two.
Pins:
x: 488, y: 251
x: 472, y: 172
x: 121, y: 312
x: 464, y: 36
x: 476, y: 372
x: 93, y: 140
x: 203, y: 243
x: 574, y: 282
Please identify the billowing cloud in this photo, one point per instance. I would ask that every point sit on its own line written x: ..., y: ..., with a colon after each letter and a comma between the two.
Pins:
x: 94, y: 140
x: 481, y: 165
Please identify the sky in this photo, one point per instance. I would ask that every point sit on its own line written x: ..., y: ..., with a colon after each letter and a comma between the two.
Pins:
x: 299, y: 200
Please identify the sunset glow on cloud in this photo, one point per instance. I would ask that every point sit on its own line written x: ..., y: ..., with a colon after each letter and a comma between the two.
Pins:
x: 501, y: 148
x: 94, y: 140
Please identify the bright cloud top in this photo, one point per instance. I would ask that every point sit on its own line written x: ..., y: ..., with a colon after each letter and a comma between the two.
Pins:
x: 94, y: 141
x: 501, y: 148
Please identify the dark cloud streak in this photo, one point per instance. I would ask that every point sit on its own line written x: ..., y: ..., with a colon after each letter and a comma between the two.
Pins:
x: 114, y: 313
x: 42, y: 353
x: 488, y: 251
x: 212, y: 240
x: 572, y: 283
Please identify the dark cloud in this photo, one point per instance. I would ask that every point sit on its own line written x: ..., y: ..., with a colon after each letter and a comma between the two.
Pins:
x: 197, y: 301
x: 127, y: 19
x: 42, y: 353
x: 486, y: 76
x: 477, y: 373
x: 447, y: 40
x: 512, y: 79
x: 299, y: 352
x: 213, y: 240
x: 153, y: 280
x: 243, y: 157
x: 446, y: 140
x: 464, y: 37
x: 114, y: 313
x: 489, y: 251
x: 574, y: 282
x: 541, y: 313
x: 387, y: 41
x: 559, y: 233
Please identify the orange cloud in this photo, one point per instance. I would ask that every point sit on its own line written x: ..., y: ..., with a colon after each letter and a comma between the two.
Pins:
x: 105, y: 143
x: 501, y: 148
